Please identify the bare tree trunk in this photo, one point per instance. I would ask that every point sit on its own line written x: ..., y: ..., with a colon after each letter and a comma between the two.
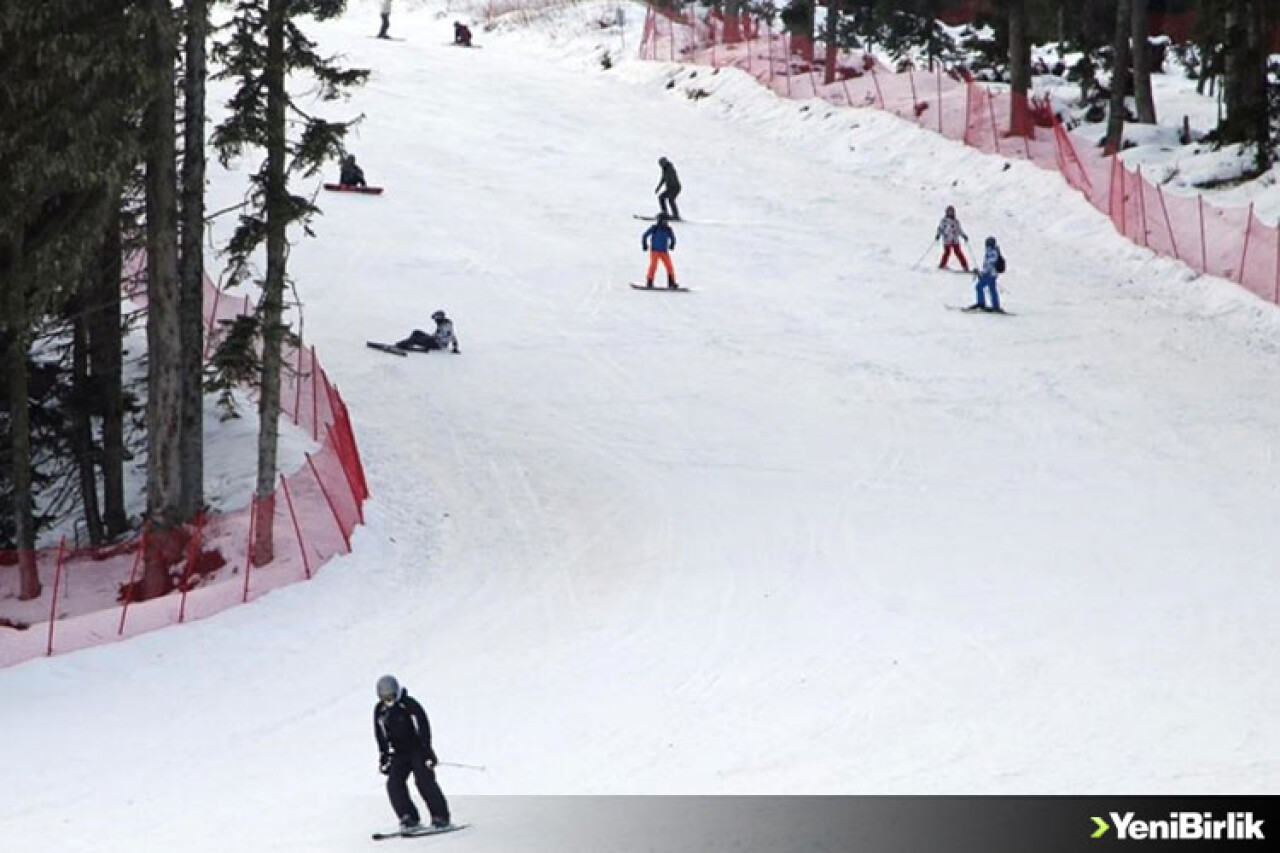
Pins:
x: 1119, y: 76
x: 164, y: 336
x: 106, y: 345
x: 272, y: 307
x: 82, y: 442
x: 17, y: 336
x: 1144, y: 99
x: 1019, y: 69
x: 192, y: 259
x: 833, y: 24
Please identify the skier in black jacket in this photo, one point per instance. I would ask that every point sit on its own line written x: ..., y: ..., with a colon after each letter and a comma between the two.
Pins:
x: 671, y: 181
x: 404, y: 746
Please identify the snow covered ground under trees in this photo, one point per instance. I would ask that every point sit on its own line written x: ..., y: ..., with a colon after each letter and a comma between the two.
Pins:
x: 802, y: 530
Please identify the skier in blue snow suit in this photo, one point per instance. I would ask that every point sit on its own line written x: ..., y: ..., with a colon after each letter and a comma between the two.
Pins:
x: 404, y: 746
x: 659, y: 241
x: 992, y: 266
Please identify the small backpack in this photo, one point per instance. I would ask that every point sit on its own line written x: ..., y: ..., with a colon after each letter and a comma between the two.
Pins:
x: 1000, y: 265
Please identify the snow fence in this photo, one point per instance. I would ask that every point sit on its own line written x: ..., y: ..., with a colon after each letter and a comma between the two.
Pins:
x: 313, y: 512
x: 1231, y: 243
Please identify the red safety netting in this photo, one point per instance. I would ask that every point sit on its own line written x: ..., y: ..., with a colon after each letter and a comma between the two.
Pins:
x: 313, y: 514
x: 1227, y: 242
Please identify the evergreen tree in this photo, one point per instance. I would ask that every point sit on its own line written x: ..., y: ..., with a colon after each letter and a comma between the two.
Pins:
x: 264, y: 46
x: 69, y: 81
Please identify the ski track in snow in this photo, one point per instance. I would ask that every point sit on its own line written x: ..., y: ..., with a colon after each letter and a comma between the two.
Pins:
x: 801, y: 530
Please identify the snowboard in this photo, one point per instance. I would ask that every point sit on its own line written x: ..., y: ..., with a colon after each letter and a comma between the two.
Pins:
x: 420, y: 833
x: 343, y: 188
x: 473, y: 45
x: 391, y: 348
x: 971, y: 310
x: 661, y: 287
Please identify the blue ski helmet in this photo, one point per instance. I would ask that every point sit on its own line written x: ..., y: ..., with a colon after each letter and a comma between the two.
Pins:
x: 388, y: 689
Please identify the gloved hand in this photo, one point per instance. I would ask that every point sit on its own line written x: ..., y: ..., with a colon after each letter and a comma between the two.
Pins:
x: 432, y: 761
x: 384, y: 763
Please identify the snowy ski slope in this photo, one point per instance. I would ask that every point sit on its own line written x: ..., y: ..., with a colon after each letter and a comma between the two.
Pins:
x: 800, y: 531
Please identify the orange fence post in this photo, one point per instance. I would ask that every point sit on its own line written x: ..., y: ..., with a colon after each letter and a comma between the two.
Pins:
x: 53, y: 599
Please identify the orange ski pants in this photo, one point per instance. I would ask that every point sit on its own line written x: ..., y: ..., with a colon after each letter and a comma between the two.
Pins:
x: 665, y: 258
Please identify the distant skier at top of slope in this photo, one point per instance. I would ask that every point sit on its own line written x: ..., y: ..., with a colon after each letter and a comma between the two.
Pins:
x: 461, y: 34
x: 992, y: 265
x: 659, y: 241
x: 351, y: 175
x: 950, y: 232
x: 386, y: 19
x: 442, y: 338
x: 671, y: 181
x: 403, y: 733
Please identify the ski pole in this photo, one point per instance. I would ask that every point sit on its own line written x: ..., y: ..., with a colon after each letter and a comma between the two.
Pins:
x: 926, y: 253
x: 479, y: 767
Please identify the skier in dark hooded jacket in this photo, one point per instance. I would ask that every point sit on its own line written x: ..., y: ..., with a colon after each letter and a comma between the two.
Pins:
x: 403, y: 733
x: 671, y: 181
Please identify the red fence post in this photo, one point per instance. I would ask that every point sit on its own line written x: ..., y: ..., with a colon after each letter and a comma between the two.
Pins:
x: 128, y: 595
x: 302, y: 546
x: 770, y: 32
x: 1204, y: 251
x: 297, y: 384
x: 995, y: 128
x: 315, y: 380
x: 1167, y: 223
x: 938, y: 68
x: 248, y: 550
x: 1248, y: 223
x: 875, y: 78
x: 336, y: 518
x: 53, y: 599
x: 1276, y: 297
x: 1142, y: 207
x: 786, y: 57
x: 193, y: 553
x: 915, y: 99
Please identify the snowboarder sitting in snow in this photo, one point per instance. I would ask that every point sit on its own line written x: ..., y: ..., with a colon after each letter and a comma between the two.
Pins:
x: 442, y: 338
x: 403, y: 733
x: 351, y: 175
x: 659, y: 241
x: 461, y: 34
x: 951, y: 233
x: 672, y: 182
x: 992, y: 266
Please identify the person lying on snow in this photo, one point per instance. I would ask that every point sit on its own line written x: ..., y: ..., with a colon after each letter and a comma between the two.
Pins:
x: 442, y: 338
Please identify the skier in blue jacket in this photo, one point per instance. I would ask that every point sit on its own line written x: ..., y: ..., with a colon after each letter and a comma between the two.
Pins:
x: 992, y: 266
x: 659, y: 241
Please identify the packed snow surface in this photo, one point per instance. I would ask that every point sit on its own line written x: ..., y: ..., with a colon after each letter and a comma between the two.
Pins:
x: 802, y: 530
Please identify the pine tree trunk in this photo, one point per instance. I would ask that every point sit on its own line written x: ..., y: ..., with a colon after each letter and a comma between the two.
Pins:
x: 272, y: 306
x: 106, y: 345
x: 17, y: 336
x: 164, y: 336
x: 1247, y: 118
x: 1141, y: 32
x: 833, y: 51
x: 1119, y: 76
x: 1019, y: 69
x: 82, y: 442
x: 192, y: 259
